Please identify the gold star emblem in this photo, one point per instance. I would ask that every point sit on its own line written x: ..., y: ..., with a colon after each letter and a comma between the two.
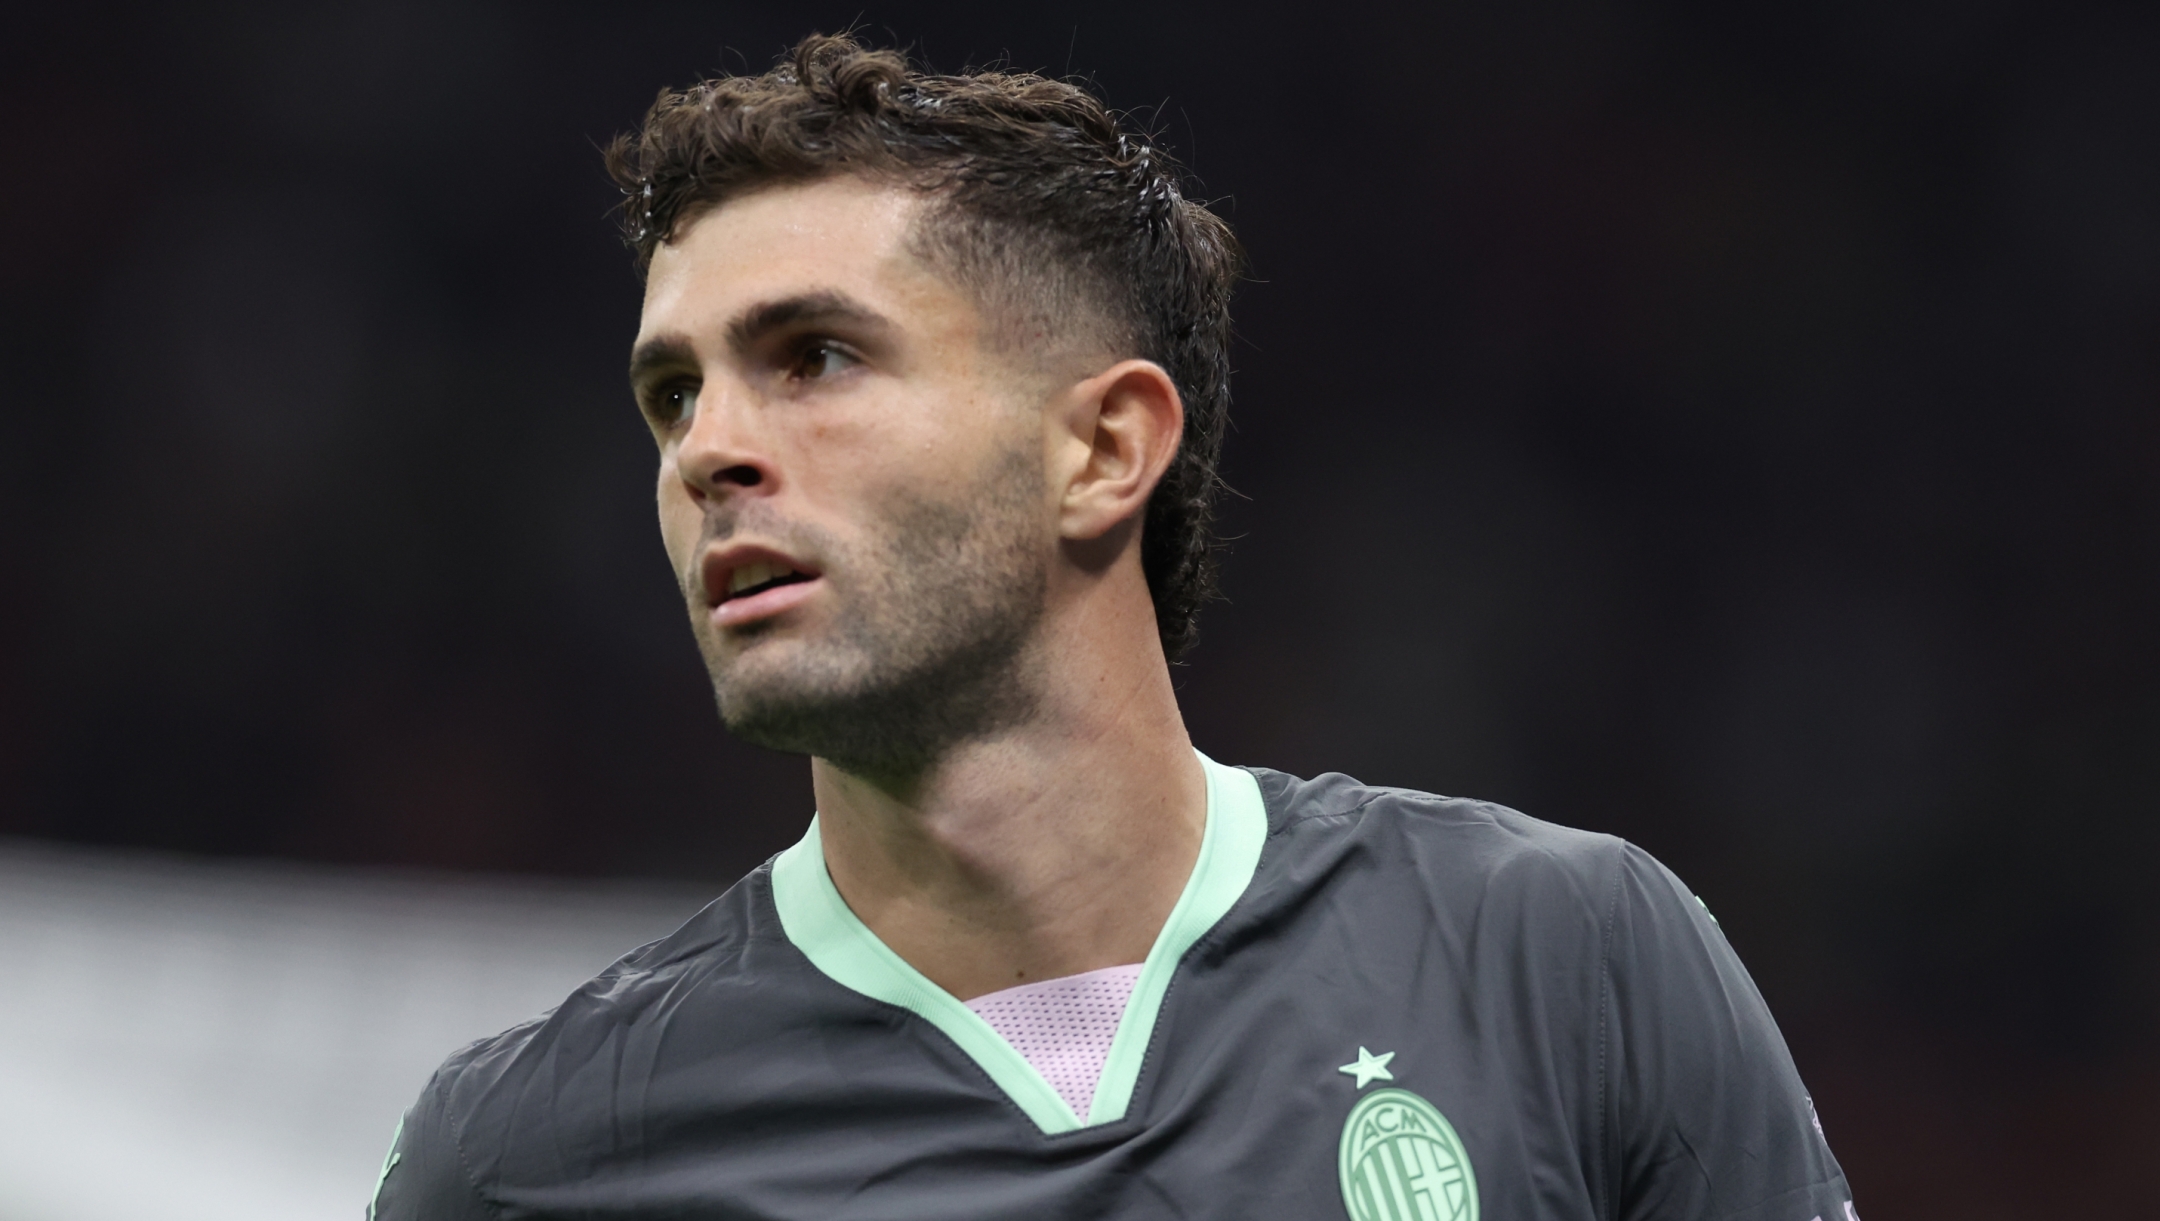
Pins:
x: 1369, y: 1066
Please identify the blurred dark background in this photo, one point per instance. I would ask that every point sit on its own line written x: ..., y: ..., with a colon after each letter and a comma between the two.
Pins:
x: 1731, y: 426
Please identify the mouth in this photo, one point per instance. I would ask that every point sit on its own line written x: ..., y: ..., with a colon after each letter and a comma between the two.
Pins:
x: 754, y: 585
x: 757, y: 576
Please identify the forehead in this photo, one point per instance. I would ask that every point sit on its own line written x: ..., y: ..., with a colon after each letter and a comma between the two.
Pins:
x: 839, y: 235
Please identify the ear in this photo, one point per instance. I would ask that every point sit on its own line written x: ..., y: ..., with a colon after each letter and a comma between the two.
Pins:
x: 1124, y: 425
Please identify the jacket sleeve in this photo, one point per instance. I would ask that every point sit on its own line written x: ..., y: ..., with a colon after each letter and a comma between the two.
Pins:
x: 1707, y: 1113
x: 424, y: 1177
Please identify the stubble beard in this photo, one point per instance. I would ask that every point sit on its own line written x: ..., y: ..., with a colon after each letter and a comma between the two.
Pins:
x: 931, y: 646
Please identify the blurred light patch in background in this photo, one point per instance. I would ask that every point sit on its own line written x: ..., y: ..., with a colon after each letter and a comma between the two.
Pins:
x: 236, y: 1042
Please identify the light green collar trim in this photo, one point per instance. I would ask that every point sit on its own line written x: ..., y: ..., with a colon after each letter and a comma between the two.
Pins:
x: 817, y: 920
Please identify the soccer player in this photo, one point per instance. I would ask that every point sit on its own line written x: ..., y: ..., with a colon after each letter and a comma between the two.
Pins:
x: 937, y: 371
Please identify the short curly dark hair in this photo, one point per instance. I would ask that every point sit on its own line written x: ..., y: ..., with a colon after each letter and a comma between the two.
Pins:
x: 1046, y: 206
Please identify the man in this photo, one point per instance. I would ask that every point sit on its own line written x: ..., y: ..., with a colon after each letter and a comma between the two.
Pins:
x: 936, y: 367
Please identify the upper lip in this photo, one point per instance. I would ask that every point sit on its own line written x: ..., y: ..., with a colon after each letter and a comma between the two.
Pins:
x: 717, y: 570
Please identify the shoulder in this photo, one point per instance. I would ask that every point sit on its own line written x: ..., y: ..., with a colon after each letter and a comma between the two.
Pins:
x: 714, y: 946
x: 487, y: 1097
x: 1476, y: 850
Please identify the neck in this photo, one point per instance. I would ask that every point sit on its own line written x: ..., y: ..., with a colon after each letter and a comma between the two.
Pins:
x: 1054, y: 847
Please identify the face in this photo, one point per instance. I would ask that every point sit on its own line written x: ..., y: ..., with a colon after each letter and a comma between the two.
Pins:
x: 851, y: 490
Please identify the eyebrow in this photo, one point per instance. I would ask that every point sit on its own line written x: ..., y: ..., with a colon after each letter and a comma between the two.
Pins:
x: 664, y: 352
x: 754, y: 324
x: 827, y: 307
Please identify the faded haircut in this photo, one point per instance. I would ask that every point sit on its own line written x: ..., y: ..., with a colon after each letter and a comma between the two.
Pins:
x: 1043, y: 204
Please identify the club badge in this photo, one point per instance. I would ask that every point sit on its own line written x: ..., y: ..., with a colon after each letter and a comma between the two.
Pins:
x: 1401, y: 1160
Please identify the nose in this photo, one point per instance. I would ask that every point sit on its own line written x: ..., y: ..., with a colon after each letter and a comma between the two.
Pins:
x: 721, y: 454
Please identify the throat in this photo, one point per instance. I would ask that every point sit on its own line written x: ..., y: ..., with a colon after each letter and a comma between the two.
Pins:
x: 1011, y: 870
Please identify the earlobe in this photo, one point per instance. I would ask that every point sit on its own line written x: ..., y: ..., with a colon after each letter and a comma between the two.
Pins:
x: 1134, y: 422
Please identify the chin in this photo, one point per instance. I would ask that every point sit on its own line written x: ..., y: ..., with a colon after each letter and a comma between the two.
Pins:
x: 780, y: 699
x: 880, y: 731
x: 797, y: 723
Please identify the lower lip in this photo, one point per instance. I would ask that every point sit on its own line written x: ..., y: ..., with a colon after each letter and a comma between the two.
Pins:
x: 737, y: 611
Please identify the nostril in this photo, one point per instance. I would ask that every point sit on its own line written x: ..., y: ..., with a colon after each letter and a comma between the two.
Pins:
x: 742, y: 476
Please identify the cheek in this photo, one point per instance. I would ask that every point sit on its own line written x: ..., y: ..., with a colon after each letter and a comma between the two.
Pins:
x: 680, y: 521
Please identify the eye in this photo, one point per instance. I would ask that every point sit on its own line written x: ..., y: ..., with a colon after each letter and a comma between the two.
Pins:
x: 673, y: 405
x: 819, y: 360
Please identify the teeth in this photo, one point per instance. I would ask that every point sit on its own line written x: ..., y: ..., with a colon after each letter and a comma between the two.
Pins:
x: 756, y: 572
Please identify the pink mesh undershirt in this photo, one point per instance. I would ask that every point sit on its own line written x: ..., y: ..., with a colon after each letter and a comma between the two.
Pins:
x: 1063, y: 1026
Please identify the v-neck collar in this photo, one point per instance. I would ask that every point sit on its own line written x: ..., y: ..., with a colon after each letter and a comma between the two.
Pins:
x: 819, y: 923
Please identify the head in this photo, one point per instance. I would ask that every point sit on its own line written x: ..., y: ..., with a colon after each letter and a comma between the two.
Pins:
x: 882, y: 309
